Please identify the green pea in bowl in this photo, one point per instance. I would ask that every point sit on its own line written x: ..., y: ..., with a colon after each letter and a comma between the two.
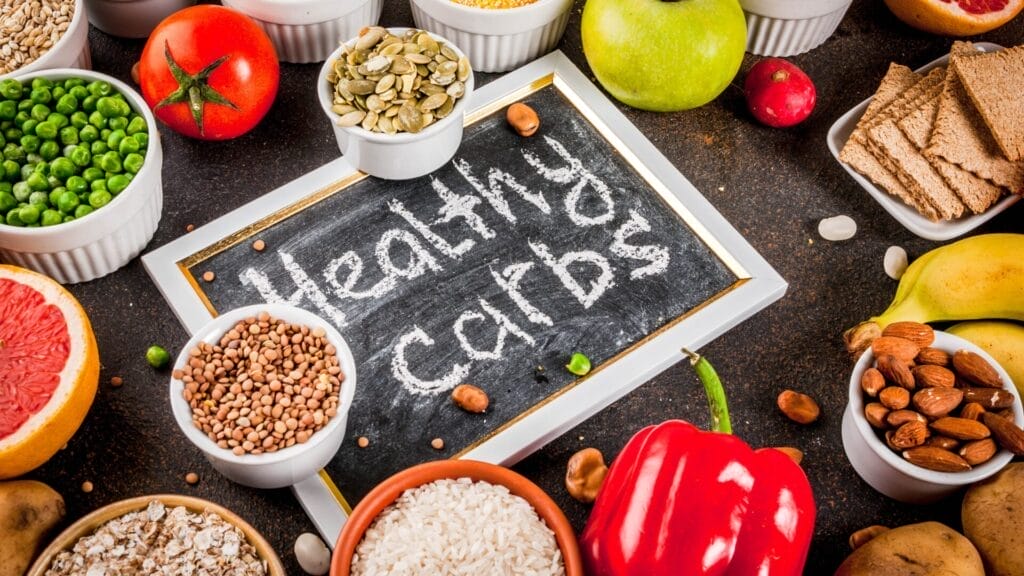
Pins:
x: 80, y: 185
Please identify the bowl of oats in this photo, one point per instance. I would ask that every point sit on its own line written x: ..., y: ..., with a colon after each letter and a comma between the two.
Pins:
x: 163, y: 533
x: 57, y: 38
x: 498, y: 35
x: 397, y: 99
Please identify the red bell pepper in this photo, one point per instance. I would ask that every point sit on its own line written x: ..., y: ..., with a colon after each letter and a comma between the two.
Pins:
x: 684, y: 502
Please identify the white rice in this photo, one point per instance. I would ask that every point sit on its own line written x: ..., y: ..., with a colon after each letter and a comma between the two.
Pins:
x: 458, y: 528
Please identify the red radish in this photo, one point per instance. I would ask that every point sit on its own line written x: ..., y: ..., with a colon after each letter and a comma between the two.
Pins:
x: 778, y: 93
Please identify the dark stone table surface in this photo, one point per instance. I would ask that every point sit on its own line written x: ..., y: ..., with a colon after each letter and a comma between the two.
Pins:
x: 772, y: 185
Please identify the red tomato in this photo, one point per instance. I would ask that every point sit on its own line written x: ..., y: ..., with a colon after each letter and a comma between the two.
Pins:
x: 209, y: 72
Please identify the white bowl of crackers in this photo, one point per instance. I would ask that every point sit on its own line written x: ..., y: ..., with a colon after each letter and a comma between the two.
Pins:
x: 936, y: 147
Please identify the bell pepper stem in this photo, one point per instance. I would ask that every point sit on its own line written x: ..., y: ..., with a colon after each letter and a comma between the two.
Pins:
x: 713, y: 389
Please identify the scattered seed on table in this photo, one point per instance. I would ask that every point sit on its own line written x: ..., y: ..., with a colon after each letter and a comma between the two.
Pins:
x: 190, y: 227
x: 116, y: 381
x: 363, y: 442
x: 209, y: 276
x: 192, y: 478
x: 437, y: 443
x: 87, y: 486
x: 259, y: 245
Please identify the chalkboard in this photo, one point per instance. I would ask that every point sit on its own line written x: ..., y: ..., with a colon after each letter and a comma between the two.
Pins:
x: 492, y: 270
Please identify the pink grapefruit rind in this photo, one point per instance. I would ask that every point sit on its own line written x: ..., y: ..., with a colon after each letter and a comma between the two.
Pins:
x: 948, y: 18
x: 46, y: 430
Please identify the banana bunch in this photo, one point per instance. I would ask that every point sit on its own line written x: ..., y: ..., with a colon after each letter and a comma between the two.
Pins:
x: 980, y: 277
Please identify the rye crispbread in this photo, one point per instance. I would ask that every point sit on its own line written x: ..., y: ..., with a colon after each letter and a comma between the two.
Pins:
x: 992, y: 80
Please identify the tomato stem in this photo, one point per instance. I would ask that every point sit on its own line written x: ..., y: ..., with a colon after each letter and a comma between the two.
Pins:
x: 715, y: 392
x: 194, y: 89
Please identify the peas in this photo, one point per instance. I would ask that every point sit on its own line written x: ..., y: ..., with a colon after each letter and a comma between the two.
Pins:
x: 99, y: 198
x: 67, y: 148
x: 46, y: 130
x: 63, y: 168
x: 578, y: 364
x: 51, y: 217
x: 67, y: 202
x: 157, y: 357
x: 117, y: 183
x: 133, y: 163
x: 67, y: 104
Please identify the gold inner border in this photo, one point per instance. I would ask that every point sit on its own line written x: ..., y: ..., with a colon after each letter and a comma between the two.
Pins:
x: 187, y: 263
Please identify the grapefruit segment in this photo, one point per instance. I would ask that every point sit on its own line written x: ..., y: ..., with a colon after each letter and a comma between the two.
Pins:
x: 955, y: 17
x: 49, y: 369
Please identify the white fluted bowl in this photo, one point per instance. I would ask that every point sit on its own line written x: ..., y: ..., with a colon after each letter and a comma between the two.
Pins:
x: 70, y: 51
x: 791, y: 27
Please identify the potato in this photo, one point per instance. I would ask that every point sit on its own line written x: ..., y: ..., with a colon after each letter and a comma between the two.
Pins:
x: 993, y: 518
x: 28, y: 511
x: 925, y: 549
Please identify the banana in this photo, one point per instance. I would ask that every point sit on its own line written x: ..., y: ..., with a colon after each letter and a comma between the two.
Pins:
x: 977, y: 277
x: 1004, y: 341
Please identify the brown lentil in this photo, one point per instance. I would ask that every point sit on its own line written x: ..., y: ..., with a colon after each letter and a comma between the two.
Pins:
x: 253, y: 391
x: 259, y: 245
x: 192, y: 478
x: 116, y: 381
x: 363, y: 442
x: 209, y: 276
x: 190, y: 227
x: 87, y: 486
x: 437, y: 444
x: 30, y: 28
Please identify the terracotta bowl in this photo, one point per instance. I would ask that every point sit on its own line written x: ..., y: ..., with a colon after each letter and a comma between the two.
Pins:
x: 389, y: 490
x: 90, y: 522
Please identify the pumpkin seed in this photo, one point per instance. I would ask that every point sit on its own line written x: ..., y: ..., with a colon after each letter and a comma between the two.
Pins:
x: 342, y: 109
x: 433, y: 101
x: 464, y: 69
x: 410, y: 118
x: 378, y: 64
x: 385, y: 83
x: 352, y: 118
x: 370, y: 39
x: 362, y: 87
x: 369, y: 121
x: 448, y: 53
x: 416, y: 58
x: 445, y: 109
x: 375, y: 104
x: 456, y: 89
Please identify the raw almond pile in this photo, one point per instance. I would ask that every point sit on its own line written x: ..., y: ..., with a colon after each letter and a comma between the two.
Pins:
x: 941, y: 411
x: 949, y: 143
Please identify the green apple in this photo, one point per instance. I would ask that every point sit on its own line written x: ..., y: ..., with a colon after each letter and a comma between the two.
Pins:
x: 664, y: 55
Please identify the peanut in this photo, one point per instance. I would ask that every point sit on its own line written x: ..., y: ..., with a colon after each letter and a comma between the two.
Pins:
x: 522, y: 119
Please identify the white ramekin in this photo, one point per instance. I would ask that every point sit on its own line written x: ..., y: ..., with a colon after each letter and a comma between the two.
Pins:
x: 107, y: 239
x: 288, y: 465
x: 396, y: 156
x: 71, y: 51
x: 496, y: 40
x: 306, y: 31
x: 132, y: 18
x: 888, y: 472
x: 791, y: 27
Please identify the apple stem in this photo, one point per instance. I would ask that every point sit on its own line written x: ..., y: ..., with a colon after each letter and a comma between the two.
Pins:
x: 780, y: 76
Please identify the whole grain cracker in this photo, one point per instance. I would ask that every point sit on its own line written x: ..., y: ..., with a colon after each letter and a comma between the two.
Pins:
x: 993, y: 82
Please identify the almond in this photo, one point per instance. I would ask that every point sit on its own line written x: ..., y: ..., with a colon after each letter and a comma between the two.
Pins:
x: 898, y: 418
x: 470, y: 398
x: 989, y: 398
x: 932, y: 376
x: 895, y: 371
x: 894, y: 397
x: 978, y: 451
x: 976, y: 369
x: 961, y: 428
x: 944, y: 442
x: 901, y: 348
x: 1007, y: 434
x: 861, y: 537
x: 936, y: 402
x: 794, y: 453
x: 798, y: 407
x: 1008, y: 414
x: 876, y: 415
x: 859, y: 338
x: 920, y: 334
x: 909, y: 435
x: 871, y: 382
x: 972, y: 411
x: 934, y: 356
x: 936, y: 459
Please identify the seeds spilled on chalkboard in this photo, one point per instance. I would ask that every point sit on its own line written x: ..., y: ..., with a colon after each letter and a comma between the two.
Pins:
x: 209, y: 276
x: 259, y: 245
x: 190, y: 227
x: 470, y: 398
x: 522, y: 119
x: 437, y: 444
x: 540, y: 374
x: 363, y: 442
x: 578, y: 364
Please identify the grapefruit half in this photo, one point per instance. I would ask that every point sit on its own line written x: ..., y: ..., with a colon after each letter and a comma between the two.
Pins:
x: 955, y: 17
x: 49, y: 368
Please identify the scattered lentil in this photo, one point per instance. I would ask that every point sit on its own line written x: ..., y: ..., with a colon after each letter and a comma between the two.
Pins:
x: 209, y: 276
x: 363, y: 442
x: 437, y: 444
x: 116, y: 381
x: 87, y: 486
x: 265, y: 385
x: 190, y: 227
x: 30, y: 28
x: 259, y: 245
x: 192, y: 478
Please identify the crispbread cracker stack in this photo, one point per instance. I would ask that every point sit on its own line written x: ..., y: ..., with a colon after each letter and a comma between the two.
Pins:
x: 993, y: 82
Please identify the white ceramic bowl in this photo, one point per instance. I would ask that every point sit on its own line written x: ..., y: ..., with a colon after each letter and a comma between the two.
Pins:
x: 496, y: 40
x: 289, y: 465
x: 396, y: 156
x: 132, y: 18
x: 107, y: 239
x: 306, y: 31
x: 791, y: 27
x: 71, y: 51
x: 887, y: 471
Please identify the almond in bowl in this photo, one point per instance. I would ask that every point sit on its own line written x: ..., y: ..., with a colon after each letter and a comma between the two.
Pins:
x: 917, y: 429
